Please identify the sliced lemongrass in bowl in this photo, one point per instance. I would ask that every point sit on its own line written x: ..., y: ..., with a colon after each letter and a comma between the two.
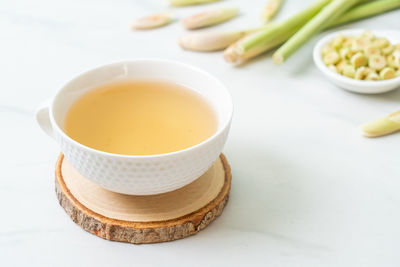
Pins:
x: 363, y: 67
x: 383, y: 126
x: 209, y: 18
x: 364, y: 49
x: 153, y: 21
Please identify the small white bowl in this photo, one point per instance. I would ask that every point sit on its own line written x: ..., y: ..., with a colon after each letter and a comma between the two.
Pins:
x: 358, y: 86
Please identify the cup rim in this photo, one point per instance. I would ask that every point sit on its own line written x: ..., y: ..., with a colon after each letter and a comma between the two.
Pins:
x: 225, y: 124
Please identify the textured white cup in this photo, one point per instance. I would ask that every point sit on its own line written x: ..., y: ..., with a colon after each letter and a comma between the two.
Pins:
x: 149, y: 174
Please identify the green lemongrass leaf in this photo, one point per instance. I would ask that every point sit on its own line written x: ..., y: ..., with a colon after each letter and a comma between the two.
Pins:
x: 294, y: 22
x: 237, y: 55
x: 262, y: 41
x: 329, y: 13
x: 368, y: 9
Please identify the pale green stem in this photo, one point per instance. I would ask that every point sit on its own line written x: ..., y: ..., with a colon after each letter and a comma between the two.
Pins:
x: 261, y: 42
x: 280, y: 28
x: 328, y: 14
x: 366, y: 10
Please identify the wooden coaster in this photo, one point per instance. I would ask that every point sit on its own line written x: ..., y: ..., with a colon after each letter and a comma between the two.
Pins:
x: 143, y: 219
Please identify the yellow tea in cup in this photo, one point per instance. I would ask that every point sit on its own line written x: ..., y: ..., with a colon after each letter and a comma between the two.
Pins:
x: 140, y: 118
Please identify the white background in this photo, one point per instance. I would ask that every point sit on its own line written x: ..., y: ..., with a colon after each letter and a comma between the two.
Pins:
x: 308, y: 189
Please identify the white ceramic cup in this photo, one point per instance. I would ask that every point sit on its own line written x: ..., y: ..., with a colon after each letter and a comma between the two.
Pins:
x: 148, y: 174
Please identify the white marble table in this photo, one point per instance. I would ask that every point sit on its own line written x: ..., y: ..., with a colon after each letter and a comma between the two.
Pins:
x: 308, y: 190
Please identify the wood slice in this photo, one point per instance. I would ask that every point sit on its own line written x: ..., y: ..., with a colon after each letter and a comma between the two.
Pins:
x: 143, y: 219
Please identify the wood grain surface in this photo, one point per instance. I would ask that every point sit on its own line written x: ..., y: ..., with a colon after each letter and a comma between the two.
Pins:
x: 143, y: 219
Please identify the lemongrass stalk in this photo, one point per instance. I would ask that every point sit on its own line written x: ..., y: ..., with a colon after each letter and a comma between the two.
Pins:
x: 233, y: 54
x: 236, y: 55
x: 279, y: 28
x: 212, y: 41
x: 152, y: 21
x: 270, y: 10
x: 190, y: 2
x: 256, y: 45
x: 366, y: 10
x: 383, y: 126
x: 209, y: 18
x: 328, y: 14
x: 277, y: 33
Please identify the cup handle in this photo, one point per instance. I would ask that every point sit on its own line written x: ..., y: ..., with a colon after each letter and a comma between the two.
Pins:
x: 43, y: 118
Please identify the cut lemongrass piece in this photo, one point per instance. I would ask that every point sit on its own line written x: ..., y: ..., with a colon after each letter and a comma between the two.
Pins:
x: 209, y: 18
x: 327, y: 49
x: 152, y: 21
x: 393, y: 61
x: 359, y: 60
x: 349, y: 71
x: 338, y: 41
x: 390, y: 61
x: 372, y: 76
x: 209, y: 41
x: 348, y: 42
x: 376, y: 62
x: 387, y: 50
x: 190, y: 2
x: 346, y: 53
x: 359, y: 44
x: 340, y: 66
x: 361, y: 73
x: 387, y: 73
x: 368, y: 35
x: 270, y: 10
x: 333, y: 68
x: 383, y: 126
x: 381, y: 42
x: 372, y: 50
x: 331, y: 58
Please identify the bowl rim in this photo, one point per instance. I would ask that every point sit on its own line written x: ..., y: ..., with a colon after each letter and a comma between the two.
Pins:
x: 225, y: 124
x: 362, y: 85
